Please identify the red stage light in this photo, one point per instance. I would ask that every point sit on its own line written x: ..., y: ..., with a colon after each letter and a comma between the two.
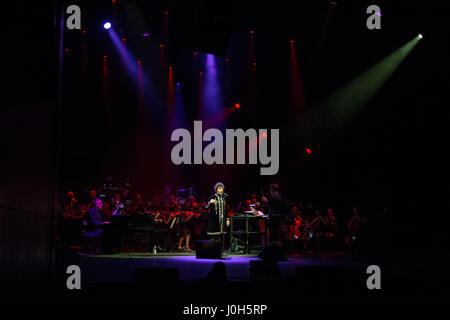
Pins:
x: 237, y: 105
x: 252, y: 32
x: 67, y: 50
x: 84, y: 31
x: 104, y: 57
x: 161, y: 45
x: 139, y: 62
x: 166, y: 12
x: 308, y: 151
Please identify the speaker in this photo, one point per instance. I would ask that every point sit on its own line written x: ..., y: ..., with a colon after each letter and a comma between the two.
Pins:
x: 208, y: 249
x: 272, y: 252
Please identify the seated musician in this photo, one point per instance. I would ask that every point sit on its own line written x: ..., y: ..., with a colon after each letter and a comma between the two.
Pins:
x: 115, y: 201
x: 94, y: 224
x: 137, y: 206
x: 91, y: 198
x: 296, y: 223
x: 69, y: 214
x: 334, y: 234
x: 255, y: 202
x: 357, y: 228
x: 320, y: 226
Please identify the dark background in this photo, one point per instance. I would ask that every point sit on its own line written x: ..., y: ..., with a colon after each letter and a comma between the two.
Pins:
x: 392, y: 156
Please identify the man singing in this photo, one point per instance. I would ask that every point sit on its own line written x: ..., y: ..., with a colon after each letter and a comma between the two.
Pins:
x: 217, y: 204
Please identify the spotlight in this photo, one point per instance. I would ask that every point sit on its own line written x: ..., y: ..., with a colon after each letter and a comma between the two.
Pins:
x: 420, y: 36
x: 237, y: 105
x: 308, y: 151
x: 145, y: 34
x: 178, y: 84
x: 107, y: 25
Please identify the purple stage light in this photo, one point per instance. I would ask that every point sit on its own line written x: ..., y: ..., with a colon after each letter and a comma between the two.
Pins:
x: 145, y: 34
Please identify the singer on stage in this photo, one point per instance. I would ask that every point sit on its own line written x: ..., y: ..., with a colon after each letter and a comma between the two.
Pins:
x: 218, y: 220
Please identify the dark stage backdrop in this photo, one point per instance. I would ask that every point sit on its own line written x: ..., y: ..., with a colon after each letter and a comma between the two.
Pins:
x: 27, y: 171
x: 27, y: 157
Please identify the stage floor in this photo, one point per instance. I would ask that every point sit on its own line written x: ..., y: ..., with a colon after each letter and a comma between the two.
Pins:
x: 118, y: 268
x: 337, y: 275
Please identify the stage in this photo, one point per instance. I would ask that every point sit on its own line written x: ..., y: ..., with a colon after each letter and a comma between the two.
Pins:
x: 180, y: 276
x: 99, y: 268
x: 316, y: 129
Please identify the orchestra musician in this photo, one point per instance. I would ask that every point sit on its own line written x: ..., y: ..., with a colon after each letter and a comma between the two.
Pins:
x: 356, y: 228
x: 94, y: 224
x: 275, y: 208
x: 320, y: 226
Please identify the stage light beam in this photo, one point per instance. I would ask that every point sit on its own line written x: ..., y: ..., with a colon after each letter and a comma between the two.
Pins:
x: 343, y: 104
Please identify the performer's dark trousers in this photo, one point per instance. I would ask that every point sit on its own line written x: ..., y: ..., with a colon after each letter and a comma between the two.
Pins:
x: 219, y: 238
x: 274, y: 228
